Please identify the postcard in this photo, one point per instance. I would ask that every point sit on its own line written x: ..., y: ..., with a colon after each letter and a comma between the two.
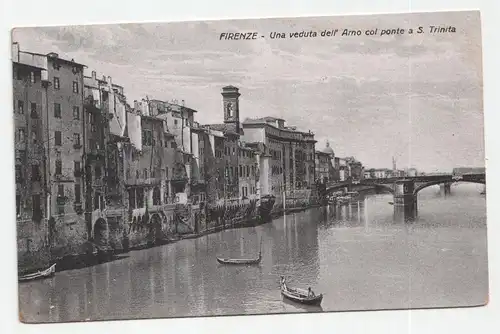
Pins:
x: 256, y: 166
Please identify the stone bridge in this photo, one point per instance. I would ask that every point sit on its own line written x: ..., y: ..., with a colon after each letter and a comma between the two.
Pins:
x: 406, y: 189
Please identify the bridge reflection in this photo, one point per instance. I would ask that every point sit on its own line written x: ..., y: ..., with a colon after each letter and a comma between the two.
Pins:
x: 406, y: 189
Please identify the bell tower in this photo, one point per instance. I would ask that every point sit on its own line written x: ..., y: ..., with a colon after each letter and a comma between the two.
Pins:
x: 230, y: 101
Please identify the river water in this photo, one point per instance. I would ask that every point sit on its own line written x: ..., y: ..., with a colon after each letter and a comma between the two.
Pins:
x: 357, y: 256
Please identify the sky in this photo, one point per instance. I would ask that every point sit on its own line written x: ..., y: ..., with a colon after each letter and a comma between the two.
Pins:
x: 416, y: 97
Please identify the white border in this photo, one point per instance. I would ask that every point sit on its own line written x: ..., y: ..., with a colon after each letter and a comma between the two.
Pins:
x: 62, y: 12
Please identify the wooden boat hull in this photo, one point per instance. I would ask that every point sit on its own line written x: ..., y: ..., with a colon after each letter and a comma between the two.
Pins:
x: 298, y: 296
x: 39, y: 274
x: 238, y: 261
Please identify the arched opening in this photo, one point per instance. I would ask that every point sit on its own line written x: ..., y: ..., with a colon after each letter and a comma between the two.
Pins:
x: 154, y: 233
x: 100, y: 232
x: 435, y: 183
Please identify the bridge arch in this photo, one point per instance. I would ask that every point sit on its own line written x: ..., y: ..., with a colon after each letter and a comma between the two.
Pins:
x: 337, y: 187
x: 434, y: 183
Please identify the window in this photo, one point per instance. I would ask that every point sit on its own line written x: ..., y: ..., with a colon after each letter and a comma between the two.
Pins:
x: 78, y: 196
x: 32, y: 77
x: 21, y: 135
x: 57, y: 110
x: 147, y: 138
x: 76, y: 139
x: 18, y: 205
x: 98, y: 201
x: 37, y: 212
x: 137, y: 174
x: 145, y: 173
x: 175, y: 123
x: 35, y: 173
x: 131, y: 199
x: 98, y: 172
x: 166, y: 173
x: 240, y: 171
x: 58, y: 167
x: 19, y: 174
x: 57, y: 138
x: 174, y: 145
x: 76, y: 112
x: 20, y: 107
x: 34, y: 113
x: 140, y: 198
x: 77, y: 168
x: 60, y: 190
x: 56, y: 83
x: 75, y: 86
x: 156, y: 196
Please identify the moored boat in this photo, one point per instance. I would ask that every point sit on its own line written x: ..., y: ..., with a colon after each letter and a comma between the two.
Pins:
x: 39, y: 274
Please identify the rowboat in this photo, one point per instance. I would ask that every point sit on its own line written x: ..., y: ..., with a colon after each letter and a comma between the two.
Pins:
x: 39, y: 274
x: 300, y: 296
x: 242, y: 261
x: 239, y: 261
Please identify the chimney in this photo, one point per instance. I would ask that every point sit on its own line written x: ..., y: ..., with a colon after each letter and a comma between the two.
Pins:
x: 109, y: 81
x: 94, y: 75
x: 15, y: 51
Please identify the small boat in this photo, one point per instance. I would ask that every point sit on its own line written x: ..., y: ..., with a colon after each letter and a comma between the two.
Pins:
x: 391, y: 203
x: 242, y: 261
x: 39, y: 274
x: 301, y: 296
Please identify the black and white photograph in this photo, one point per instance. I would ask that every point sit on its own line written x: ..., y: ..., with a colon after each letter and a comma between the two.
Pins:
x: 249, y: 166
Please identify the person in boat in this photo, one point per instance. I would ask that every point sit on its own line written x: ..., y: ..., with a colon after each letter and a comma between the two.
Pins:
x: 283, y: 283
x: 310, y: 293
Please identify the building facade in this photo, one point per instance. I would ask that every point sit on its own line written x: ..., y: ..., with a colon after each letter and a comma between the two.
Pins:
x: 323, y: 164
x: 247, y: 173
x: 287, y: 158
x: 30, y: 136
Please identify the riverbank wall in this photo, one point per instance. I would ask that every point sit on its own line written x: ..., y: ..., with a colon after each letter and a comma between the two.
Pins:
x: 71, y: 243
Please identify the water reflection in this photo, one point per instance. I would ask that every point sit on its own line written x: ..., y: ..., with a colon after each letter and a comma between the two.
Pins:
x: 356, y: 255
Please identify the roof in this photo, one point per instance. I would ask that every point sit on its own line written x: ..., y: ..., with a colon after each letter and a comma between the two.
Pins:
x: 52, y: 55
x: 28, y: 65
x: 262, y: 120
x: 328, y: 149
x: 225, y: 128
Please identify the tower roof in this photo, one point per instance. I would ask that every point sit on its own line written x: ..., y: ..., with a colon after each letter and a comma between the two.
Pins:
x: 328, y: 149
